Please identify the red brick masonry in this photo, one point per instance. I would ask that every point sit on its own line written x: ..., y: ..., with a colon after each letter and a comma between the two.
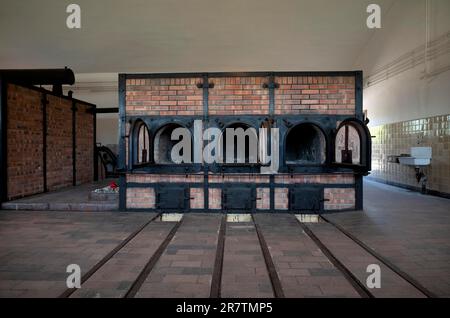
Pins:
x: 236, y: 95
x: 25, y: 159
x: 338, y: 198
x: 241, y: 96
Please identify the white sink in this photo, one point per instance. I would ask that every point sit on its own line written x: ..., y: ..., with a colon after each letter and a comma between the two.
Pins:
x: 411, y: 161
x: 420, y: 156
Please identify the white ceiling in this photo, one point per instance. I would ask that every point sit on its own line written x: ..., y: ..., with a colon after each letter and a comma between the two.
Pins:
x: 185, y: 35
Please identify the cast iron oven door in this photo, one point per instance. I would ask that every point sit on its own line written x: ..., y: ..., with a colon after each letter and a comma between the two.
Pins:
x: 305, y: 199
x: 238, y: 198
x: 172, y: 198
x: 353, y: 146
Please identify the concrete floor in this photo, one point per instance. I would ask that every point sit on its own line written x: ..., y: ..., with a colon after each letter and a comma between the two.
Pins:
x: 68, y: 199
x: 411, y: 230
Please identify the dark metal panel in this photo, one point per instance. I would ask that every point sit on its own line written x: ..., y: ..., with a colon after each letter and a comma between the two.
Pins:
x: 305, y: 198
x: 240, y: 198
x: 359, y: 192
x: 108, y: 110
x: 359, y: 94
x: 122, y: 122
x: 206, y: 88
x: 44, y: 103
x: 172, y: 198
x: 121, y: 164
x: 40, y: 76
x: 122, y: 193
x: 271, y: 86
x: 3, y: 141
x: 74, y: 143
x: 272, y: 192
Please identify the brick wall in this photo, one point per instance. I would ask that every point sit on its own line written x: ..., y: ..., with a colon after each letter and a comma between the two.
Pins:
x: 238, y: 96
x: 140, y: 198
x: 25, y: 137
x: 333, y: 95
x: 25, y: 147
x: 197, y: 198
x: 281, y: 198
x: 315, y: 95
x: 339, y: 199
x: 263, y: 198
x: 161, y: 96
x: 84, y: 144
x: 59, y: 143
x: 215, y: 199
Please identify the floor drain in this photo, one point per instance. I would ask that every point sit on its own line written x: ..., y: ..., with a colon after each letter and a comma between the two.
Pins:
x: 239, y: 218
x: 308, y: 218
x: 171, y: 217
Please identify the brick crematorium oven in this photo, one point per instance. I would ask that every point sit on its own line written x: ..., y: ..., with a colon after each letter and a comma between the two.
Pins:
x: 48, y: 139
x: 323, y: 152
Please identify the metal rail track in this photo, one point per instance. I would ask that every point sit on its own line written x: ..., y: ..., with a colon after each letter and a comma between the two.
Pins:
x: 216, y: 282
x: 273, y: 275
x: 69, y: 291
x: 360, y: 288
x: 406, y: 277
x: 132, y: 291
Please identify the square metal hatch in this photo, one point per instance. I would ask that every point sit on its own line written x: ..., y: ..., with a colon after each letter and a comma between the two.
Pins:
x: 171, y: 198
x: 238, y: 198
x: 305, y: 199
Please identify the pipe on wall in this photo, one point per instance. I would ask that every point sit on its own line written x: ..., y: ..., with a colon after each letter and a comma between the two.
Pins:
x: 55, y: 77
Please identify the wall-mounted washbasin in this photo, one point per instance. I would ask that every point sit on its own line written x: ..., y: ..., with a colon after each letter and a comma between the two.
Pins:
x: 410, y: 161
x: 420, y: 156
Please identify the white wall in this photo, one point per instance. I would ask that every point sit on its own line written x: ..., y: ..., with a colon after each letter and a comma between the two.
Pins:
x: 101, y: 90
x: 408, y: 95
x: 402, y: 97
x: 107, y: 129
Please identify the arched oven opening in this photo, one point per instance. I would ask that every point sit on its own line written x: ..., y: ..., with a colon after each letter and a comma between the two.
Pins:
x: 249, y: 153
x: 348, y: 145
x: 305, y: 145
x: 141, y: 144
x: 163, y: 144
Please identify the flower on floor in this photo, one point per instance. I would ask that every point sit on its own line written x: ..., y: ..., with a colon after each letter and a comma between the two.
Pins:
x: 113, y: 187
